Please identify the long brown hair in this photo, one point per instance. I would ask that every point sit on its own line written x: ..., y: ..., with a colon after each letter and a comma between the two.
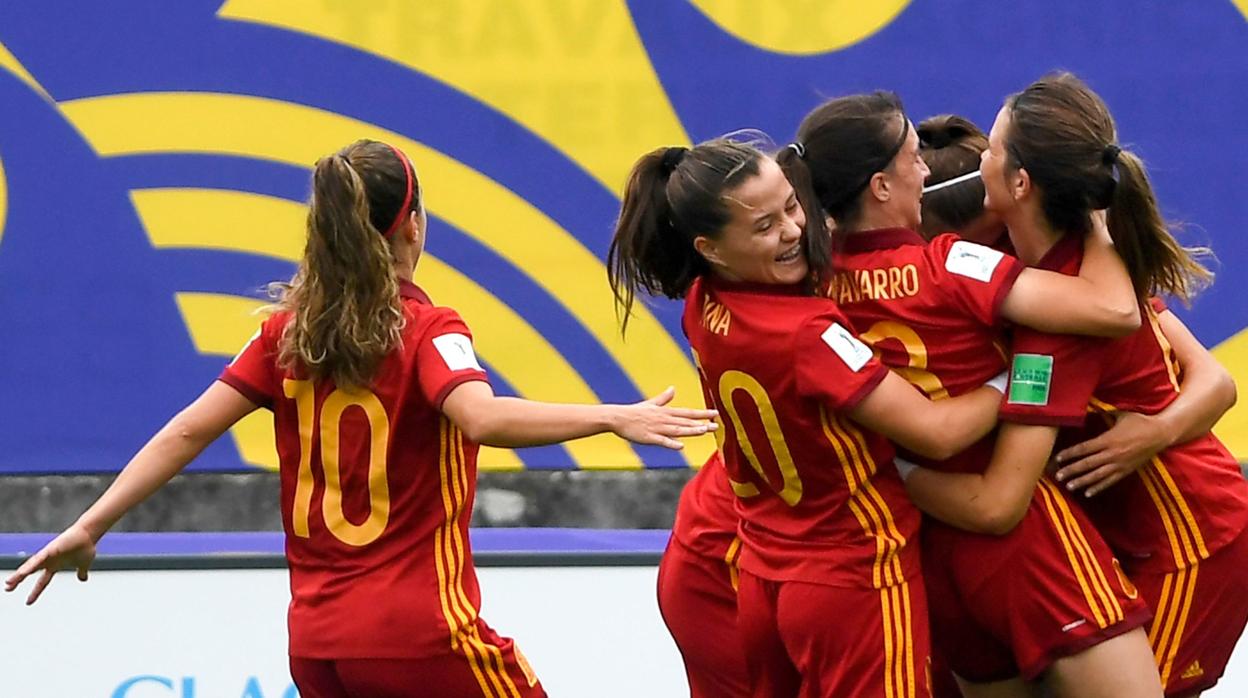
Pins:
x: 1063, y: 135
x: 346, y: 315
x: 673, y: 196
x: 951, y: 146
x: 840, y: 145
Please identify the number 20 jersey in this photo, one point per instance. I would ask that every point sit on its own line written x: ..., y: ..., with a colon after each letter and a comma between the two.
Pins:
x: 819, y: 498
x: 931, y: 312
x: 376, y: 491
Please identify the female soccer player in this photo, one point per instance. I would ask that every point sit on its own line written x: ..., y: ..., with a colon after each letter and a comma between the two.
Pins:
x: 1177, y: 523
x: 379, y: 404
x: 952, y: 146
x: 830, y: 602
x: 994, y: 617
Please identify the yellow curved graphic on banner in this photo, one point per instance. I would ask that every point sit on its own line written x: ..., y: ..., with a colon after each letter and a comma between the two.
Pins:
x: 294, y: 134
x: 801, y: 27
x: 245, y: 222
x: 1233, y: 428
x: 1243, y: 8
x: 574, y: 72
x: 4, y: 199
x: 10, y: 63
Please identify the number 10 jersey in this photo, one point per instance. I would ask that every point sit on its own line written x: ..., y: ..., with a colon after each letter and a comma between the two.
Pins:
x: 376, y: 489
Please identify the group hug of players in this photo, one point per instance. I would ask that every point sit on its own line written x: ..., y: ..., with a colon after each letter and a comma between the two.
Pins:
x: 1020, y: 382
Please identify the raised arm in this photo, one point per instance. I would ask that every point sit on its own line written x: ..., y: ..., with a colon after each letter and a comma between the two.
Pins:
x: 939, y: 429
x: 1206, y: 392
x: 1099, y: 302
x: 510, y: 422
x: 165, y: 455
x: 992, y: 502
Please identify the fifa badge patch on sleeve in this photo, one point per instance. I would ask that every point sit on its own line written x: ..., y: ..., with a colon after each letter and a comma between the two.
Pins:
x: 1030, y: 379
x: 456, y: 351
x: 972, y: 261
x: 853, y: 352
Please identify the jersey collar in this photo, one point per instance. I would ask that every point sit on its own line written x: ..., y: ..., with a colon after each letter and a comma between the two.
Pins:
x: 880, y: 239
x: 1061, y: 254
x: 720, y: 284
x: 407, y: 289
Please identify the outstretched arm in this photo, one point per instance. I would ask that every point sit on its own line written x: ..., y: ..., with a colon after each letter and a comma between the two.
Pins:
x: 1100, y: 302
x: 164, y: 456
x: 1207, y: 392
x: 936, y: 429
x: 996, y: 500
x: 512, y: 422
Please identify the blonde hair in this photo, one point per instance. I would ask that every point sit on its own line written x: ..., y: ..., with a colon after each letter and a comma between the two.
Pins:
x: 346, y: 314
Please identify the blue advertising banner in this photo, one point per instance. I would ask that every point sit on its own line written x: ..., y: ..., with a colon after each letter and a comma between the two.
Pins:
x: 154, y: 158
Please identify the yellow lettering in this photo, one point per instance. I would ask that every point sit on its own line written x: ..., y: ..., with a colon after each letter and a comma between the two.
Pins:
x: 910, y: 280
x: 730, y: 382
x: 880, y: 291
x: 894, y: 282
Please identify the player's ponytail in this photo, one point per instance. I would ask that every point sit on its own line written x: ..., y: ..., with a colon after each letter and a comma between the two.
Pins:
x: 673, y: 196
x: 1155, y: 260
x: 344, y: 298
x: 1063, y: 135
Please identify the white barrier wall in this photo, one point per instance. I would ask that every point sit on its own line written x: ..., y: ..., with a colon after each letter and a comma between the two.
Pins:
x: 588, y: 631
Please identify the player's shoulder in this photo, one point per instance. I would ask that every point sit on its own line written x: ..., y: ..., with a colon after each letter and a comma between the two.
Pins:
x: 953, y: 255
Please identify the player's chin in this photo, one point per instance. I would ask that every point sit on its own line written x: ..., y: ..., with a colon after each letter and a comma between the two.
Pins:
x: 791, y: 273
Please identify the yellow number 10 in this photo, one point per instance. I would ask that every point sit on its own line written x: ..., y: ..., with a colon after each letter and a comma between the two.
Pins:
x: 304, y: 395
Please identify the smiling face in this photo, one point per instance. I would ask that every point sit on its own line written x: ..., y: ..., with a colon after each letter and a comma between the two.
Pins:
x: 905, y: 176
x: 995, y: 168
x: 761, y: 243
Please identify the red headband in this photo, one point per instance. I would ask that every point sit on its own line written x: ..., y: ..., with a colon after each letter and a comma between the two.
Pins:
x: 407, y: 197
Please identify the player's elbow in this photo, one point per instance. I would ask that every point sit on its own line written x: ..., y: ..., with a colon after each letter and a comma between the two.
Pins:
x: 998, y: 519
x: 935, y: 445
x: 1122, y: 320
x: 1228, y: 394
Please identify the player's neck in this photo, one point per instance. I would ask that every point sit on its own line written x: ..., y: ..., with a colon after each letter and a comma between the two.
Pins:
x: 1032, y: 236
x: 876, y: 218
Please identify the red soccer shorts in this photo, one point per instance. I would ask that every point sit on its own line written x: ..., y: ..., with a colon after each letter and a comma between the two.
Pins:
x: 1199, y: 614
x: 810, y: 640
x: 698, y: 601
x: 1006, y: 606
x: 494, y: 668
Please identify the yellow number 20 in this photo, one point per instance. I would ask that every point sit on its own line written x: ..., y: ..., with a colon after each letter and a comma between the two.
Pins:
x: 303, y: 393
x: 732, y: 381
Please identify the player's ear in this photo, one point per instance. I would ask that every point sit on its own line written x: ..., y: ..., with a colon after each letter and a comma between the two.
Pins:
x: 1020, y: 183
x: 707, y: 248
x: 878, y: 185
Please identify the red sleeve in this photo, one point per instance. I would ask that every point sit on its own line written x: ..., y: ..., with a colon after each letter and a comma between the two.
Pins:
x: 1052, y: 377
x: 1158, y: 305
x: 253, y: 372
x: 974, y: 277
x: 445, y: 358
x: 832, y: 365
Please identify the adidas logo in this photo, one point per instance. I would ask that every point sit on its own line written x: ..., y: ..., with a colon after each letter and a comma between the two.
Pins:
x: 1193, y: 671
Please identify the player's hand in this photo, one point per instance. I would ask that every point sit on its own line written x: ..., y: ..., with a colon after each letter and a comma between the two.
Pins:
x: 74, y: 548
x: 1101, y: 462
x: 652, y: 422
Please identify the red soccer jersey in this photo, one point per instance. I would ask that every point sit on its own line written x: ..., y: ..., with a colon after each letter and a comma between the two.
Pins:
x: 1175, y: 511
x: 706, y: 516
x: 931, y: 311
x: 818, y: 496
x: 376, y: 489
